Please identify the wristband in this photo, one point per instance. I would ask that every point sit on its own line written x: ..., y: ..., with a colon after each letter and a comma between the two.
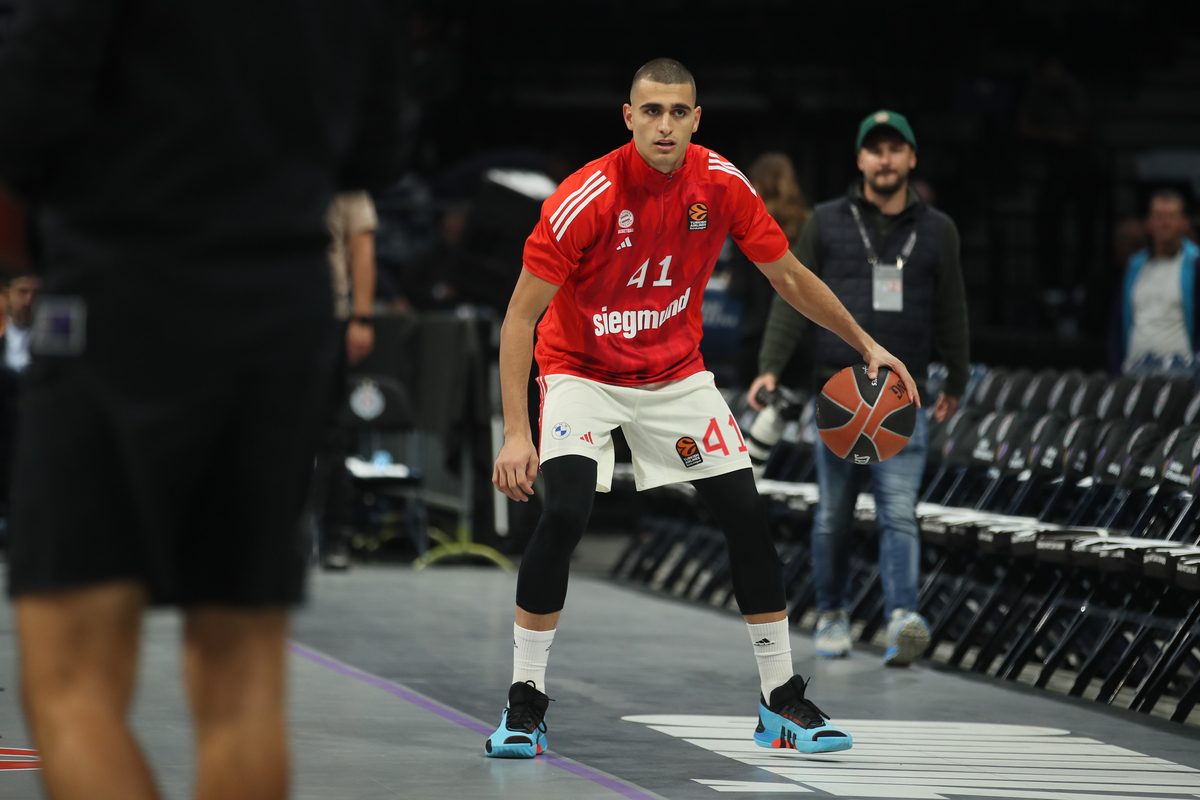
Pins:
x: 363, y: 320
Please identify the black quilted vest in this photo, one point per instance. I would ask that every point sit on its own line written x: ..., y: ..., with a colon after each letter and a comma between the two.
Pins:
x: 907, y: 334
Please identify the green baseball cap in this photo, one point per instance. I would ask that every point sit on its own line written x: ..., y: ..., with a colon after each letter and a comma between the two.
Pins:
x: 889, y: 119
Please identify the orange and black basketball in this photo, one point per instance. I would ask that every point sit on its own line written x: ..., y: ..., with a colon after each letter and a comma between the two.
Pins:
x: 865, y: 421
x: 697, y: 212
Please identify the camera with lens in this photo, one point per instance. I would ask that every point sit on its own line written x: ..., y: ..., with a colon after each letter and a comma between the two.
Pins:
x: 780, y: 407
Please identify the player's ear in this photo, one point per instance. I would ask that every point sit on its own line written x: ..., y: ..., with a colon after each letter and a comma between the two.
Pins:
x: 696, y: 120
x: 627, y: 113
x: 912, y: 158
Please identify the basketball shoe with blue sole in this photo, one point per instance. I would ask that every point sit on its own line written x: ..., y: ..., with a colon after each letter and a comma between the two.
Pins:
x: 792, y: 722
x: 522, y: 731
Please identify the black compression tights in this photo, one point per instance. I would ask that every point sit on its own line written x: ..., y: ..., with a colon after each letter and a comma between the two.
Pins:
x: 732, y: 499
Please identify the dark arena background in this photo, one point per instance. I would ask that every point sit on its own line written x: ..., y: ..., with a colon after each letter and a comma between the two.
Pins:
x: 1057, y: 508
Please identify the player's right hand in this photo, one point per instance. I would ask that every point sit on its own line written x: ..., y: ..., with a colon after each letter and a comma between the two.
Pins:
x: 516, y: 467
x: 767, y: 380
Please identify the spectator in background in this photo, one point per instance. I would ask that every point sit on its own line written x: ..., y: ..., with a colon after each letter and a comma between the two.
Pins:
x: 774, y: 176
x: 1056, y: 118
x: 431, y: 281
x: 352, y: 222
x: 895, y: 263
x: 1156, y: 318
x: 19, y: 303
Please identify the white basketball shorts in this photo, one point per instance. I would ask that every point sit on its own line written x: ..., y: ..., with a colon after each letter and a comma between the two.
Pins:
x: 678, y: 431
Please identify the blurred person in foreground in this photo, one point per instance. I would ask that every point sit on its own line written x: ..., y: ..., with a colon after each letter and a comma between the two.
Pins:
x: 894, y: 262
x: 1156, y: 314
x: 352, y: 222
x: 177, y: 161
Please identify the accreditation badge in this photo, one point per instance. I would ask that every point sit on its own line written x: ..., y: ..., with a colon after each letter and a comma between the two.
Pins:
x: 887, y: 287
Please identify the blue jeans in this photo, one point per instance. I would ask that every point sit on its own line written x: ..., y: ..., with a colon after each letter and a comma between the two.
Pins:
x: 897, y: 482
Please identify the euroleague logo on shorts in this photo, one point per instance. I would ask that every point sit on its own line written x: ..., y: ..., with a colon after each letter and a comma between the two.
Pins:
x: 689, y: 451
x: 697, y: 217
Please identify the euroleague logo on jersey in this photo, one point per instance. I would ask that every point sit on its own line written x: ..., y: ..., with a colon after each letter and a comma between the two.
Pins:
x: 697, y: 215
x: 688, y: 451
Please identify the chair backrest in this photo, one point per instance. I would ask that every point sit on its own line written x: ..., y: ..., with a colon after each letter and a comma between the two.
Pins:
x: 1064, y: 390
x: 1183, y: 454
x: 1036, y: 399
x: 1112, y: 400
x: 1087, y: 396
x: 1171, y: 404
x: 984, y: 396
x: 1012, y: 392
x: 1140, y: 402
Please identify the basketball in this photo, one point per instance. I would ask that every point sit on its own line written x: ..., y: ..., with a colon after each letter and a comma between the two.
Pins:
x: 862, y: 420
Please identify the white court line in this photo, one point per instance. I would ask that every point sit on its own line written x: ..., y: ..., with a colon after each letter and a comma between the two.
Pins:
x: 756, y: 787
x: 915, y: 760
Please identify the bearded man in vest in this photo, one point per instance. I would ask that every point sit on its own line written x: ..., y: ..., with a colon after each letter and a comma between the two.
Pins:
x: 893, y: 261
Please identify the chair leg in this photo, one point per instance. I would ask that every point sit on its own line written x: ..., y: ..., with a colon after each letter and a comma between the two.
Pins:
x: 991, y: 649
x: 1089, y: 668
x: 1186, y: 703
x: 977, y: 621
x: 949, y: 613
x: 1056, y: 656
x: 1163, y: 669
x: 1029, y: 637
x: 1120, y: 672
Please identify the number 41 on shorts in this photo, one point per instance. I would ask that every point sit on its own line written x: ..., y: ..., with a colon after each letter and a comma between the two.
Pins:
x: 714, y: 441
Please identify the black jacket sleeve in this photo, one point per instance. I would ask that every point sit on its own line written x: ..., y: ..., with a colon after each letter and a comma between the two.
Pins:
x: 49, y: 69
x: 951, y: 336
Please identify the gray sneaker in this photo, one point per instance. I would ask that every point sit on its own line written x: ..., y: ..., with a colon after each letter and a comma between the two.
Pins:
x: 833, y: 634
x: 907, y: 638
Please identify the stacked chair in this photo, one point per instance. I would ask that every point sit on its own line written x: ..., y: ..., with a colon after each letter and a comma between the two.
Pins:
x: 1061, y: 539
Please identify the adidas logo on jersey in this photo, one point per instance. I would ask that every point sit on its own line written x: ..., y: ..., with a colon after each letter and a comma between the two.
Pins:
x: 629, y: 323
x: 625, y: 244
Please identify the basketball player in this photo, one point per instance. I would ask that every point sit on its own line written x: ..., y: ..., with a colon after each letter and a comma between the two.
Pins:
x: 618, y: 263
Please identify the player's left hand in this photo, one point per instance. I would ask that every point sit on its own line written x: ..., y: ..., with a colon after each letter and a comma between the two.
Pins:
x: 877, y: 357
x: 945, y: 407
x: 360, y: 340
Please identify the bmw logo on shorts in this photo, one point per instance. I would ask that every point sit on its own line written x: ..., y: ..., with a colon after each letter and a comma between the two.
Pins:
x: 561, y: 431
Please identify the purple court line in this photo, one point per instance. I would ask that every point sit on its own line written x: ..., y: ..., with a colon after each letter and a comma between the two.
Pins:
x: 449, y: 714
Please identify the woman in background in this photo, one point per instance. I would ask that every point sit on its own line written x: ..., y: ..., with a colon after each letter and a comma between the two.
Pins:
x: 774, y: 178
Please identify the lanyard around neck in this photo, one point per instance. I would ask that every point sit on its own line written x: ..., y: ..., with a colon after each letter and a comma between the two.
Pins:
x: 872, y: 256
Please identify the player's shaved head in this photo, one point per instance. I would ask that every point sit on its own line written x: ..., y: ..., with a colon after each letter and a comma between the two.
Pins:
x: 664, y: 70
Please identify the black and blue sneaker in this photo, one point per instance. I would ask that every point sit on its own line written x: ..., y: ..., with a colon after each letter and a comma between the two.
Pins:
x: 522, y: 731
x: 792, y: 722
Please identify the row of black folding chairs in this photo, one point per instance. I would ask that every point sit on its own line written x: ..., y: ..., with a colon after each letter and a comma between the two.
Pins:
x: 1060, y: 535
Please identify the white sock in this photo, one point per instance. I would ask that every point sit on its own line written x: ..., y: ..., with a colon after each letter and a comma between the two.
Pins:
x: 531, y: 651
x: 773, y: 652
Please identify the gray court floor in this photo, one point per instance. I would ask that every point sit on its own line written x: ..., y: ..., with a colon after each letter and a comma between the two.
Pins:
x: 398, y: 675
